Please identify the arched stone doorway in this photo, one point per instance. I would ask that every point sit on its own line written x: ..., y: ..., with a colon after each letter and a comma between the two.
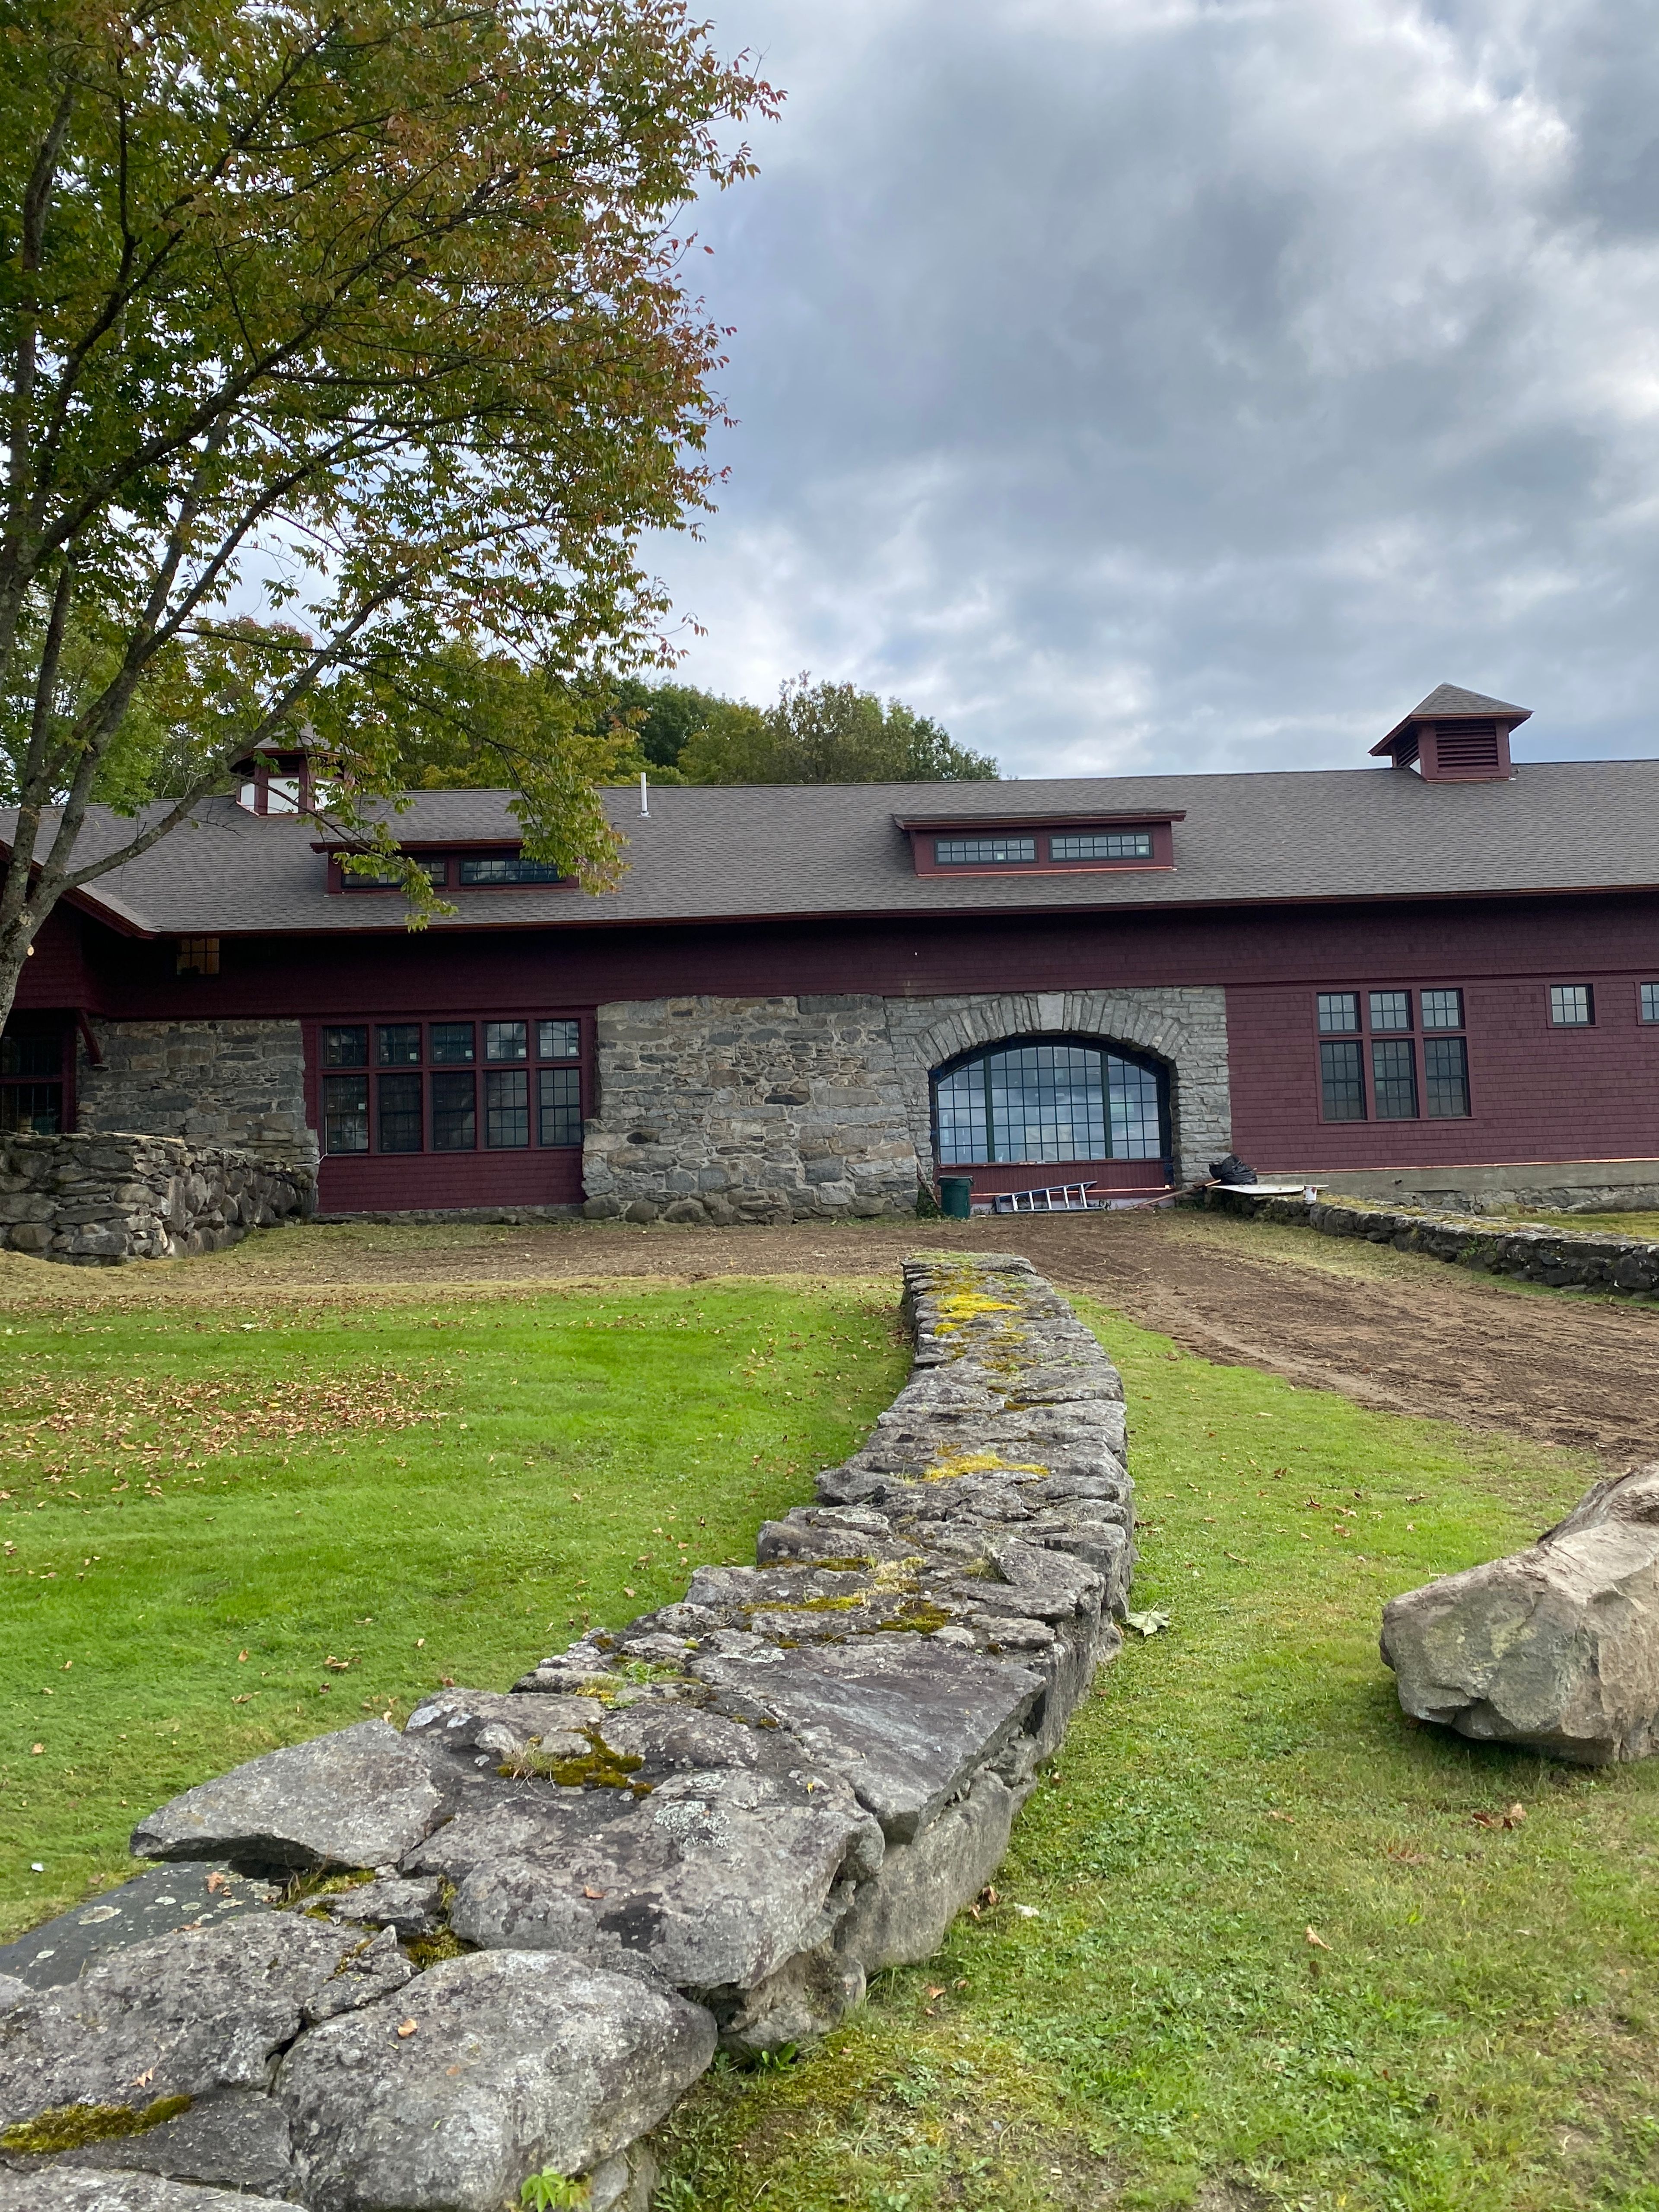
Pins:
x: 1031, y: 1110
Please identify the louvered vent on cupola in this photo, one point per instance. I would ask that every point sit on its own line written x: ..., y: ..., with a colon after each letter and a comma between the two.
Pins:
x: 1455, y: 737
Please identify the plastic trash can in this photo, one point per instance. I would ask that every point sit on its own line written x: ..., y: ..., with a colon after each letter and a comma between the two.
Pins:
x: 955, y: 1197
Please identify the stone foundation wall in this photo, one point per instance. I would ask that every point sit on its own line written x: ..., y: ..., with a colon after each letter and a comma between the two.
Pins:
x: 237, y: 1084
x: 710, y: 1827
x: 97, y: 1201
x: 781, y: 1109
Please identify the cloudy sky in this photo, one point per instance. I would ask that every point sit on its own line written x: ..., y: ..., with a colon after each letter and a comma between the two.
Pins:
x: 1193, y: 383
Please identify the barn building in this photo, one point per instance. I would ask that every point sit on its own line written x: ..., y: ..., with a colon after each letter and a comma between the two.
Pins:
x: 1438, y: 974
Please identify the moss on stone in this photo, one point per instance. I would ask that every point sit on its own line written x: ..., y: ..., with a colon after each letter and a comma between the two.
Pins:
x: 72, y: 2127
x: 424, y: 1951
x: 597, y: 1768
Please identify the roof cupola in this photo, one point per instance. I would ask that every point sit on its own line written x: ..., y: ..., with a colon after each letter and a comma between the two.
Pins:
x: 1454, y: 736
x: 274, y: 776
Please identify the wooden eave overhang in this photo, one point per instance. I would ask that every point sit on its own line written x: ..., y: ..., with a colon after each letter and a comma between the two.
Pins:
x: 88, y: 902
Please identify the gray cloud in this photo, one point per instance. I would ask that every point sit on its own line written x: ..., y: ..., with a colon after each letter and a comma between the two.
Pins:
x: 1141, y: 383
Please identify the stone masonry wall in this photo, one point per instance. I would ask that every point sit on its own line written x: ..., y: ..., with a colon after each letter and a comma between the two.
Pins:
x: 235, y: 1083
x: 709, y: 1829
x: 748, y: 1109
x: 779, y: 1109
x: 96, y: 1201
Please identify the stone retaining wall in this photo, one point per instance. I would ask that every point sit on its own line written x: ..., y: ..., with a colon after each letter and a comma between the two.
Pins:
x: 97, y: 1201
x: 1557, y: 1257
x: 709, y: 1829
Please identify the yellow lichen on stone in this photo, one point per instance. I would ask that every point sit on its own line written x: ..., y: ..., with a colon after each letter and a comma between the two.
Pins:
x: 986, y: 1462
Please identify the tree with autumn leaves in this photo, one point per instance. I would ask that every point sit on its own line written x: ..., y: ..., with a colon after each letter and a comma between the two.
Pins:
x: 349, y: 349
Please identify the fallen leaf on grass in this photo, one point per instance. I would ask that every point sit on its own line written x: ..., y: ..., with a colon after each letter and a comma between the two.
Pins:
x: 1512, y: 1818
x: 1148, y: 1623
x: 1317, y: 1940
x: 1288, y: 1818
x: 338, y: 1665
x: 1403, y: 1855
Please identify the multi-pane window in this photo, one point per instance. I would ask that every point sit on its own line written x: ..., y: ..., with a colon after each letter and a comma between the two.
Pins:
x: 426, y: 1093
x: 559, y: 1098
x: 197, y: 955
x: 454, y: 1112
x: 346, y: 1048
x: 1648, y: 1002
x: 1373, y: 1071
x: 31, y: 1082
x: 1446, y: 1078
x: 1572, y: 1005
x: 345, y: 1112
x: 451, y: 1042
x: 1341, y: 1081
x: 1102, y: 845
x: 382, y: 879
x: 506, y: 1040
x: 1394, y: 1079
x: 1042, y: 1102
x: 398, y: 1044
x: 507, y: 868
x: 398, y: 1100
x: 507, y: 1108
x: 982, y: 853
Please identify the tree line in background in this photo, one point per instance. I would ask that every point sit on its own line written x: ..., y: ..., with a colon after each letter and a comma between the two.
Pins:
x: 820, y: 733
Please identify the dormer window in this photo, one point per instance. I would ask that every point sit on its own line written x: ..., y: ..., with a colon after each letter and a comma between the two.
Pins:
x: 1454, y: 736
x: 495, y: 868
x: 982, y: 851
x: 1102, y: 845
x: 1055, y: 845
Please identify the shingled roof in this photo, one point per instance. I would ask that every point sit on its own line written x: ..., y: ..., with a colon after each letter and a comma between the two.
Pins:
x: 773, y: 851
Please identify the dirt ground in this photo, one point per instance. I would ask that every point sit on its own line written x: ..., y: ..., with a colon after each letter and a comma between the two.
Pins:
x: 1389, y: 1330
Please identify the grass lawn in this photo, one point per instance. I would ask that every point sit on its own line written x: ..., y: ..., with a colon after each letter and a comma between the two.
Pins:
x: 232, y: 1526
x: 1257, y: 1944
x: 1145, y: 2017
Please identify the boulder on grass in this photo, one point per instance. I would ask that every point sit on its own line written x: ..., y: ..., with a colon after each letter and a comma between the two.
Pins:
x: 1556, y: 1647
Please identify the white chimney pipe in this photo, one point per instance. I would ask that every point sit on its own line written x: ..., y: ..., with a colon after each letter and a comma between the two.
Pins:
x: 645, y: 801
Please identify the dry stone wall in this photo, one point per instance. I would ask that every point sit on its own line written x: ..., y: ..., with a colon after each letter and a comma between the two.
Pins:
x: 709, y: 1829
x: 1559, y: 1258
x: 97, y: 1201
x: 783, y: 1109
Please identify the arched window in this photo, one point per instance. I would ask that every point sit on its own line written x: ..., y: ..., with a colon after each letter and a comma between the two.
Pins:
x: 1053, y: 1101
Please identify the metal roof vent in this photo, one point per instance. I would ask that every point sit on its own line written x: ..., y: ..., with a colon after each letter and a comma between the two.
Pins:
x: 1454, y: 736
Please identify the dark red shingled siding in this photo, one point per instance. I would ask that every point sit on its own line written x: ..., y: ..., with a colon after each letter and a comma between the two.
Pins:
x: 1537, y: 1093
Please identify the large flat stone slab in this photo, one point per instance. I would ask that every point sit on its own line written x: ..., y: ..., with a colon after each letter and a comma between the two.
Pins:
x: 188, y: 2014
x: 906, y: 1720
x: 77, y: 2188
x: 156, y: 1903
x: 1556, y: 1647
x: 713, y: 1880
x: 517, y: 2061
x: 359, y: 1798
